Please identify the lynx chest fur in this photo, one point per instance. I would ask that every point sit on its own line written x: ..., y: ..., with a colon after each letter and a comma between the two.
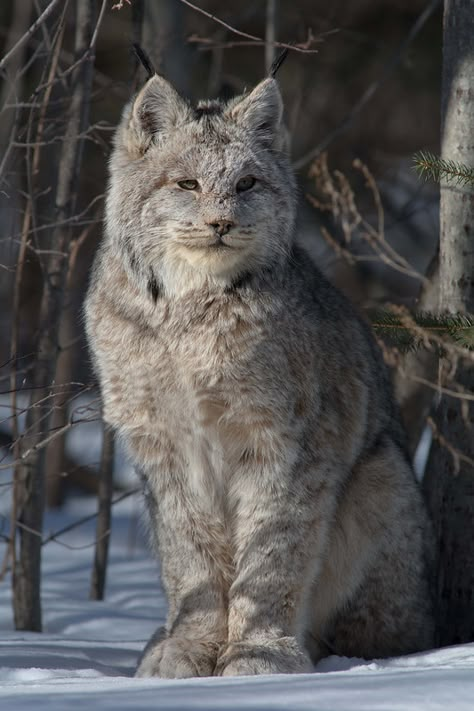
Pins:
x: 200, y: 370
x: 254, y: 402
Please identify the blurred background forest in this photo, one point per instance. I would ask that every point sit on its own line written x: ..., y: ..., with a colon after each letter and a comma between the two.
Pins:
x: 362, y: 89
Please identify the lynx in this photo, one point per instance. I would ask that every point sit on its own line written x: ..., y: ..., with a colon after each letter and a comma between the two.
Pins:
x: 254, y: 402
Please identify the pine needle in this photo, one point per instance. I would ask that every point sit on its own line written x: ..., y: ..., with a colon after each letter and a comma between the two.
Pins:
x: 390, y: 327
x: 432, y: 167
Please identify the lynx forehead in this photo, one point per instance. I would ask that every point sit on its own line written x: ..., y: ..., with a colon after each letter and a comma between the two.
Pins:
x: 254, y: 402
x: 209, y: 189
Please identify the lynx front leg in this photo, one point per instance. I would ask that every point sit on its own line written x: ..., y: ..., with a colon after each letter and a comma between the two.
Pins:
x: 194, y: 574
x: 281, y: 527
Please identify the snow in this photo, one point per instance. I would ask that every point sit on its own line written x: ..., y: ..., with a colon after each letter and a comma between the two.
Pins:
x: 88, y: 651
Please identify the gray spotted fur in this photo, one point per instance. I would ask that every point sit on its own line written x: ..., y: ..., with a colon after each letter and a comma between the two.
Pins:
x: 254, y: 403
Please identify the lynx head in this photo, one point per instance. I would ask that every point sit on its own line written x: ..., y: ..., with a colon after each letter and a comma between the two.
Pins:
x: 200, y: 195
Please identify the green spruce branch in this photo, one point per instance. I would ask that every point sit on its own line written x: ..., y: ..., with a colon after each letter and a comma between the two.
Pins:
x: 391, y: 328
x: 432, y: 167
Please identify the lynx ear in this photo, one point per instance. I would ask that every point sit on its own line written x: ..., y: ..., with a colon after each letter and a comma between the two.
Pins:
x: 156, y: 109
x: 260, y: 111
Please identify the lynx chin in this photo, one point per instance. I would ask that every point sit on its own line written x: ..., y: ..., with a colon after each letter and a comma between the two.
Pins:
x: 254, y: 403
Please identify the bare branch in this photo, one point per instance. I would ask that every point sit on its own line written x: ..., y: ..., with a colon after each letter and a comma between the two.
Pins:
x: 53, y: 537
x: 42, y: 18
x: 301, y: 47
x: 456, y: 453
x: 341, y: 203
x: 93, y: 41
x: 389, y: 67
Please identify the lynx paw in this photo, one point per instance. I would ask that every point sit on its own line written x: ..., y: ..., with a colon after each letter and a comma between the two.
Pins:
x: 280, y: 656
x: 178, y: 658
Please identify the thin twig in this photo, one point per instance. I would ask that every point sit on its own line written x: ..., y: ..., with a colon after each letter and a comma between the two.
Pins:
x: 97, y: 25
x: 208, y: 44
x: 31, y: 30
x: 73, y: 220
x: 389, y: 67
x: 53, y: 537
x: 456, y: 454
x: 341, y: 203
x: 439, y: 388
x: 297, y: 47
x: 89, y: 517
x: 40, y: 445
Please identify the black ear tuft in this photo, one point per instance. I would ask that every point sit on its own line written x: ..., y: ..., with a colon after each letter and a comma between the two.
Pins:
x: 276, y: 64
x: 144, y: 59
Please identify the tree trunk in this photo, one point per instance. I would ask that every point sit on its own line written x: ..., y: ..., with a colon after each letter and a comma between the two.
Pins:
x: 30, y: 474
x: 164, y: 37
x: 104, y: 517
x: 270, y: 33
x: 452, y: 495
x: 57, y: 473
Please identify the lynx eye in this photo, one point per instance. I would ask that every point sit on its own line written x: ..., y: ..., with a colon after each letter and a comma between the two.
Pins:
x: 188, y: 184
x: 245, y: 184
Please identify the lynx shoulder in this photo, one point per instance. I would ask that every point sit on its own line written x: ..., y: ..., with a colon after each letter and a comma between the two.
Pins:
x: 254, y: 403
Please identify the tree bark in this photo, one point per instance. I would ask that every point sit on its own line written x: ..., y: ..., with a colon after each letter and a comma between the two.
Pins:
x: 452, y: 495
x: 457, y: 143
x: 30, y: 471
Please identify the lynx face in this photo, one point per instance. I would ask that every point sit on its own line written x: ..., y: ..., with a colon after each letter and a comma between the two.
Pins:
x: 201, y: 194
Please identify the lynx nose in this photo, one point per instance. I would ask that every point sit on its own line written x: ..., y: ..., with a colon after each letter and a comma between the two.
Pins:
x: 222, y: 227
